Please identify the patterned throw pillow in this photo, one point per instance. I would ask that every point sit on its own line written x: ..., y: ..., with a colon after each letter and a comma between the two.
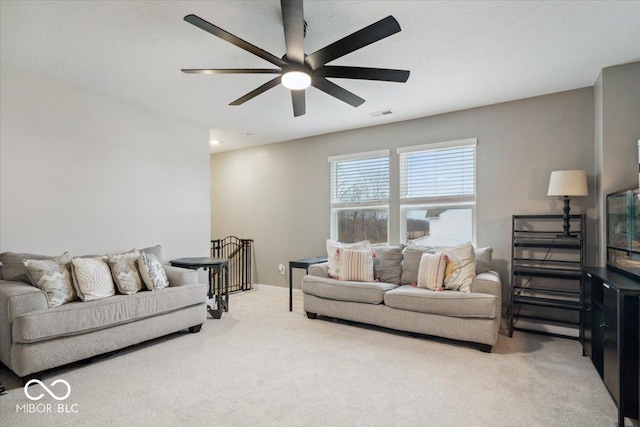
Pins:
x: 53, y: 276
x: 14, y: 269
x: 92, y: 278
x: 461, y: 268
x: 356, y: 265
x: 152, y: 272
x: 333, y: 256
x: 125, y: 272
x: 431, y: 271
x: 483, y: 259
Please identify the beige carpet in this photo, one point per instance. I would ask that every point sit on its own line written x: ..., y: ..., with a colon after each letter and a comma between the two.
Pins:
x: 262, y: 365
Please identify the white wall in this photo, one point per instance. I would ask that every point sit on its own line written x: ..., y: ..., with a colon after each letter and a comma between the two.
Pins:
x: 279, y: 194
x: 90, y: 174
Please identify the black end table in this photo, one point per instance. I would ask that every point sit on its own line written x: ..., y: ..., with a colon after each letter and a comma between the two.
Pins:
x: 221, y: 266
x: 301, y: 263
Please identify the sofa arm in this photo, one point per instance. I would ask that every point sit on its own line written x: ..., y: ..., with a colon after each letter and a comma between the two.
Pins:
x: 179, y: 276
x: 319, y: 270
x: 487, y: 283
x: 16, y: 298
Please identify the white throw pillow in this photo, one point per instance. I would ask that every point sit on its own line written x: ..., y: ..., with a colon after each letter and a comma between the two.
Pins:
x: 152, y: 272
x: 125, y: 272
x: 357, y: 265
x: 334, y: 258
x: 461, y: 268
x: 92, y: 278
x: 53, y: 276
x: 431, y: 271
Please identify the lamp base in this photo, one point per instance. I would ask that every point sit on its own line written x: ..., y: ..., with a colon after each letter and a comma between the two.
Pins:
x: 565, y: 219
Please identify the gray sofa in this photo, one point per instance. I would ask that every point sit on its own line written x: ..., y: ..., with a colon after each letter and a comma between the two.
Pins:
x: 473, y: 316
x: 34, y: 338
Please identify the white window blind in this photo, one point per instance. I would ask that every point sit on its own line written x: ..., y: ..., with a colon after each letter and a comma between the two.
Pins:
x: 360, y: 181
x: 438, y: 173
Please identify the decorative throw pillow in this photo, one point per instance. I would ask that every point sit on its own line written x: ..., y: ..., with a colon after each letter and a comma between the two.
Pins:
x: 431, y: 271
x: 333, y: 257
x: 356, y: 265
x: 125, y: 272
x: 92, y: 278
x: 152, y: 272
x: 483, y: 259
x: 387, y: 266
x: 411, y: 263
x: 14, y: 269
x: 461, y: 268
x: 53, y: 277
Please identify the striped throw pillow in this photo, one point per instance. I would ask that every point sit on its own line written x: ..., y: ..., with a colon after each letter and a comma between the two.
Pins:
x: 431, y: 271
x: 357, y: 265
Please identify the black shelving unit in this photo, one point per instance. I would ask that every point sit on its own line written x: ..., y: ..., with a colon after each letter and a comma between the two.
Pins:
x: 546, y: 274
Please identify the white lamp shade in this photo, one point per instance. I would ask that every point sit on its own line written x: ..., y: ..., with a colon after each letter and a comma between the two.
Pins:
x: 568, y: 183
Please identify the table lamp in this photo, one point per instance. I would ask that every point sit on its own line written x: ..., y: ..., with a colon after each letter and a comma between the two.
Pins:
x: 567, y: 183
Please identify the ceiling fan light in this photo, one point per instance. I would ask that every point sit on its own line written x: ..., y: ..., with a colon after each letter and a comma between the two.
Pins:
x: 296, y: 80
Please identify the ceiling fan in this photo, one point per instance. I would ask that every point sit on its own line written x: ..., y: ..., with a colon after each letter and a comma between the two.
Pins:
x: 297, y: 70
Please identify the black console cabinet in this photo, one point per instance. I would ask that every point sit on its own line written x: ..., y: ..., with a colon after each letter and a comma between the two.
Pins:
x: 611, y: 335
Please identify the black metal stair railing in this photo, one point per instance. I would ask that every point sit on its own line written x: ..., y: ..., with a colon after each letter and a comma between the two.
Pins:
x: 238, y: 251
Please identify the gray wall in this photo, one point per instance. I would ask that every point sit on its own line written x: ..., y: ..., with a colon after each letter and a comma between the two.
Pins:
x: 278, y: 194
x: 617, y: 111
x: 90, y: 174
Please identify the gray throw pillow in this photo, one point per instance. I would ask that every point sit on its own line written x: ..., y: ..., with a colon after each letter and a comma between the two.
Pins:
x: 411, y: 263
x: 154, y: 250
x: 13, y: 267
x: 483, y: 259
x: 387, y: 266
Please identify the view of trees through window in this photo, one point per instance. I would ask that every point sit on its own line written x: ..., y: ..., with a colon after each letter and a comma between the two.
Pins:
x: 361, y: 224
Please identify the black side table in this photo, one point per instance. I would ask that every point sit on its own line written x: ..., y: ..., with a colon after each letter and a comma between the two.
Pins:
x: 301, y: 263
x: 221, y: 266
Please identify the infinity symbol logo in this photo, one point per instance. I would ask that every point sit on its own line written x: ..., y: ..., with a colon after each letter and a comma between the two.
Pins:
x: 51, y: 393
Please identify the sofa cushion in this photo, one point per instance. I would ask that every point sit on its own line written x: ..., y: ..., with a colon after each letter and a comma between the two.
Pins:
x: 125, y: 272
x: 81, y: 317
x: 411, y: 263
x: 356, y: 265
x: 365, y: 292
x: 154, y: 250
x: 13, y: 267
x: 53, y: 277
x: 387, y: 267
x: 445, y: 303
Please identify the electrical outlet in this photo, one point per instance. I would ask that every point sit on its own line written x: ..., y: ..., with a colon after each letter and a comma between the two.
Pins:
x: 281, y: 268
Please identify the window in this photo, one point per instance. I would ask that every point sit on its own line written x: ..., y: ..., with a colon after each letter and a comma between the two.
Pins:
x: 360, y: 197
x: 438, y: 193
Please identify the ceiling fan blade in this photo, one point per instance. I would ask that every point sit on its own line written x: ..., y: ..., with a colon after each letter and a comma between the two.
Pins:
x: 362, y: 73
x: 224, y: 35
x: 293, y: 21
x: 364, y: 37
x: 336, y: 91
x: 265, y: 87
x: 232, y: 71
x: 298, y: 99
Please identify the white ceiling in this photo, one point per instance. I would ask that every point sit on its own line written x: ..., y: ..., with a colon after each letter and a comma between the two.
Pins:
x: 460, y: 54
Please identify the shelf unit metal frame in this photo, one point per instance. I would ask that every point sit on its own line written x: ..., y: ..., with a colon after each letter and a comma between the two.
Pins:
x: 549, y: 268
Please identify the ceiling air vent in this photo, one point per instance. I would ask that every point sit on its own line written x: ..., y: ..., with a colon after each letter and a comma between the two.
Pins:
x: 381, y: 113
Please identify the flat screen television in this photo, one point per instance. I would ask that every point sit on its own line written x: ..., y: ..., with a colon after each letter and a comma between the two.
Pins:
x: 623, y: 231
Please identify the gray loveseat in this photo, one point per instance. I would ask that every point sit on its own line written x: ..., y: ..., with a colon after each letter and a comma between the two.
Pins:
x: 34, y: 338
x: 473, y: 316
